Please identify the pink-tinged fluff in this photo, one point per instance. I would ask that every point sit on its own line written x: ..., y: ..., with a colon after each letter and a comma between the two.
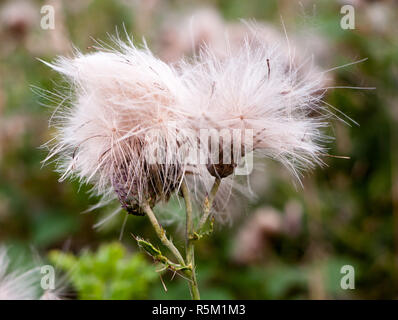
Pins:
x: 21, y: 284
x: 124, y: 107
x: 17, y: 285
x: 255, y: 88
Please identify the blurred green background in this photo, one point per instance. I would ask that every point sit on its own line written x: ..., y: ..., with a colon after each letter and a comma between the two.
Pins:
x: 288, y: 243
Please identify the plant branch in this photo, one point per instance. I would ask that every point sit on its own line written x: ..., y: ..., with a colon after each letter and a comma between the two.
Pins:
x: 188, y: 208
x: 161, y: 233
x: 208, y: 203
x: 189, y: 245
x: 157, y: 255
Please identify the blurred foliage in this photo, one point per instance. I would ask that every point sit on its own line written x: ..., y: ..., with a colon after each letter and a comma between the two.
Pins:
x: 109, y: 273
x: 350, y: 207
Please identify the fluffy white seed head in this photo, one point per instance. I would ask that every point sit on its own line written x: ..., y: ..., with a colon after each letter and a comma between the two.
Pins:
x: 255, y: 88
x: 19, y: 284
x: 124, y: 107
x: 16, y: 285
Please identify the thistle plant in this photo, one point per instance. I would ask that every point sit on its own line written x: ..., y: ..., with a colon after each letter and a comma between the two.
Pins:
x: 131, y: 126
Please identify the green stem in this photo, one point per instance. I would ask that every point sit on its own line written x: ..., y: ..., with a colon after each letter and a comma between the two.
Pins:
x: 208, y: 203
x: 162, y: 233
x: 189, y: 244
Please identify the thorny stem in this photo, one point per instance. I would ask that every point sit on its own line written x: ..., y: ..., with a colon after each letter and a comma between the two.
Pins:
x: 208, y: 203
x: 157, y: 255
x: 188, y: 267
x: 162, y: 233
x: 189, y: 244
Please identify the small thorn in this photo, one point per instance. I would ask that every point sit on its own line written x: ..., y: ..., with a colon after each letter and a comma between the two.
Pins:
x: 164, y: 285
x: 338, y: 157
